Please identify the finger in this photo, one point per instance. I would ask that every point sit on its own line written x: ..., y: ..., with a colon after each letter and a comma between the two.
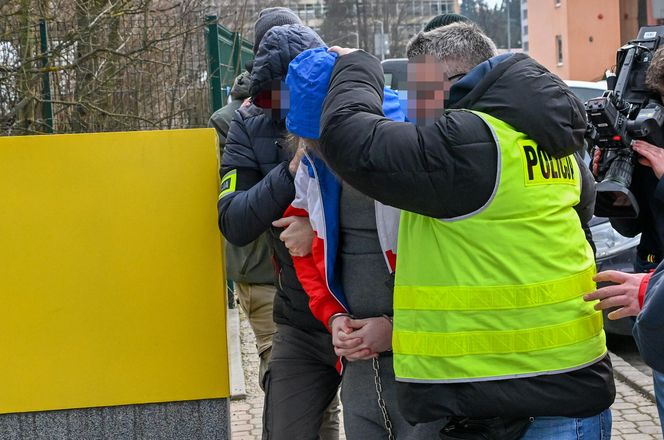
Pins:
x: 341, y: 324
x: 296, y: 253
x: 614, y: 301
x: 364, y: 357
x: 283, y: 222
x: 643, y: 144
x: 352, y: 352
x: 617, y: 314
x: 364, y: 353
x: 356, y: 324
x: 645, y: 162
x: 345, y: 337
x: 649, y: 152
x: 604, y: 292
x: 347, y: 343
x: 335, y: 49
x: 614, y: 276
x: 645, y: 152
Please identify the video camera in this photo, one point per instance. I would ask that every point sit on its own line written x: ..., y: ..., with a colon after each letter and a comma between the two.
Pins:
x: 627, y: 111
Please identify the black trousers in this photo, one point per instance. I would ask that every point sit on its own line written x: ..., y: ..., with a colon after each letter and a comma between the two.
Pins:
x: 300, y: 383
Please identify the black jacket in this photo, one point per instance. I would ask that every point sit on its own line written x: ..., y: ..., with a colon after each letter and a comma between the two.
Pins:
x: 447, y: 170
x: 649, y: 193
x: 257, y: 153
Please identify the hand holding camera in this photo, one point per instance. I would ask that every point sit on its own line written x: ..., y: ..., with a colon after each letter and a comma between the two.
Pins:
x: 651, y: 156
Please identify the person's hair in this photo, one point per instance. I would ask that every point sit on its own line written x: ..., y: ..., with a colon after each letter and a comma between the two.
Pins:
x: 293, y: 141
x: 461, y: 42
x: 444, y: 20
x: 655, y: 73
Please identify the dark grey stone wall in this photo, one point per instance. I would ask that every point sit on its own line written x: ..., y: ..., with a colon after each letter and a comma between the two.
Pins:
x: 191, y: 420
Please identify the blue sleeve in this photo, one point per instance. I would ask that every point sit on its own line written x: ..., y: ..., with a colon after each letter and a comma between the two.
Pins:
x: 648, y: 330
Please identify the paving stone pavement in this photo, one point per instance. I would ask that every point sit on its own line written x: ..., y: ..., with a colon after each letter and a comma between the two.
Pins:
x: 634, y: 413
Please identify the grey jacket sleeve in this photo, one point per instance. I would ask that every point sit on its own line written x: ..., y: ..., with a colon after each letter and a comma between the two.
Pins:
x: 649, y: 328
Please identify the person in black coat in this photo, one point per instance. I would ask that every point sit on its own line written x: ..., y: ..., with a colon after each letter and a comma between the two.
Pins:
x: 446, y: 168
x: 257, y: 187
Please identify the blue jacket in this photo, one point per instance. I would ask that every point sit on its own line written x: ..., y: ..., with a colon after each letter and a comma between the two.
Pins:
x: 649, y: 328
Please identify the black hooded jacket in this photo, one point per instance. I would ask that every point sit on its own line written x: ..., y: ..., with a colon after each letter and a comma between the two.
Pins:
x: 447, y: 170
x: 256, y: 151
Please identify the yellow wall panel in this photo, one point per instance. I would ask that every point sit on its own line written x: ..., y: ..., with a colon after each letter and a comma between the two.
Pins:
x: 111, y: 281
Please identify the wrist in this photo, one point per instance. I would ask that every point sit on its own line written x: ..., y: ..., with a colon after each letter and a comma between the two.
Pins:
x: 642, y: 289
x: 333, y: 317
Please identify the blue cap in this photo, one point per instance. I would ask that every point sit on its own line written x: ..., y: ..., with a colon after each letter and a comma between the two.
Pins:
x: 308, y: 80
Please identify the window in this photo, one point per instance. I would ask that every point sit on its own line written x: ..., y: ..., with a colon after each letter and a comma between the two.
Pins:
x: 439, y: 7
x: 525, y: 14
x: 305, y: 11
x: 525, y: 30
x: 559, y: 49
x: 525, y: 46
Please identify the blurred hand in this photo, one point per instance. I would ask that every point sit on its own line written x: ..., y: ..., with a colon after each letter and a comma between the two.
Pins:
x: 246, y: 103
x: 298, y: 235
x: 597, y: 155
x: 341, y: 51
x: 651, y: 156
x: 375, y: 334
x: 344, y: 344
x: 624, y: 294
x: 295, y: 161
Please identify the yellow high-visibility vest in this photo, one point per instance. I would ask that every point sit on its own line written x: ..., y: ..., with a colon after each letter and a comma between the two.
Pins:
x: 497, y: 294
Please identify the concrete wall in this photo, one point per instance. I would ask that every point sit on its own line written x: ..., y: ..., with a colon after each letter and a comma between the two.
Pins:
x: 192, y: 420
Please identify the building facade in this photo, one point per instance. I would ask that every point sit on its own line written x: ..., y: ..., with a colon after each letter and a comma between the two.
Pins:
x: 578, y: 39
x: 382, y: 28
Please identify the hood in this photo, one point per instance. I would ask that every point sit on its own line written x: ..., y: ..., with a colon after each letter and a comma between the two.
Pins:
x: 308, y: 80
x: 521, y: 92
x: 277, y: 49
x: 241, y: 86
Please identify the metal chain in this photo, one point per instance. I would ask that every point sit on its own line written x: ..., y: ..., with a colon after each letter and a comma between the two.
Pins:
x: 381, y: 401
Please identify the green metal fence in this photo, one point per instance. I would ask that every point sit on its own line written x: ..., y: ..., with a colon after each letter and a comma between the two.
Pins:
x: 227, y: 55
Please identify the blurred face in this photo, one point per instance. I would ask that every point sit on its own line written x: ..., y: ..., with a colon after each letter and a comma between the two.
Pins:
x: 275, y: 101
x: 429, y: 83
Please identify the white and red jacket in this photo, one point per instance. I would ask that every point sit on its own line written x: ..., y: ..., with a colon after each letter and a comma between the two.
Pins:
x: 317, y: 194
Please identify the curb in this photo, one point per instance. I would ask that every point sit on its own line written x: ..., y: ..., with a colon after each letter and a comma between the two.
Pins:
x: 633, y: 377
x: 236, y: 371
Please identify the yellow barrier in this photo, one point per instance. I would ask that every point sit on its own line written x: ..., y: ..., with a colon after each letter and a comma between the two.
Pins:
x: 111, y: 283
